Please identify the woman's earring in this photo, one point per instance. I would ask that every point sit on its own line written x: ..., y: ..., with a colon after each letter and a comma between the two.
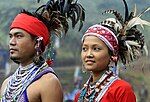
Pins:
x: 114, y: 58
x: 83, y: 69
x: 113, y: 64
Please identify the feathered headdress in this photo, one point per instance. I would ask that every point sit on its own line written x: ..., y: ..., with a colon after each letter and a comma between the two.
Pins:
x: 131, y: 40
x: 50, y: 18
x: 58, y: 12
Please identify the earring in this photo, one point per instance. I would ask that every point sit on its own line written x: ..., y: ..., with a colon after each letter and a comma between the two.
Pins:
x: 113, y: 65
x: 114, y: 58
x: 83, y: 69
x: 38, y: 58
x: 38, y: 47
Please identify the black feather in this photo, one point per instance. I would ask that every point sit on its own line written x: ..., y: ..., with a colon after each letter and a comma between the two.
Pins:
x: 116, y: 14
x: 38, y: 1
x: 126, y: 11
x: 63, y: 10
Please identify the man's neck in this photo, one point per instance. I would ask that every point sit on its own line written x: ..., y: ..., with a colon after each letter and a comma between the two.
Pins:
x: 26, y: 64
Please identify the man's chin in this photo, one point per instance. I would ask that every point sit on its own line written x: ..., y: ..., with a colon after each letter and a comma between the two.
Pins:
x: 15, y: 59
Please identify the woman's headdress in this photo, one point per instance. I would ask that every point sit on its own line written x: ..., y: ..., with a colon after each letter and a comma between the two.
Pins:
x: 131, y: 40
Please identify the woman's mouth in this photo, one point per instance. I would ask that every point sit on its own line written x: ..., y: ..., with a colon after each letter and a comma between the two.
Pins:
x: 90, y: 61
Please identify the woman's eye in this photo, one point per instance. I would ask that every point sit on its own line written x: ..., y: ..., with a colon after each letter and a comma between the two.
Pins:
x: 96, y: 48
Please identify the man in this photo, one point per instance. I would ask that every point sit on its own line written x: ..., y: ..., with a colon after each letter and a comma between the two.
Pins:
x: 34, y: 80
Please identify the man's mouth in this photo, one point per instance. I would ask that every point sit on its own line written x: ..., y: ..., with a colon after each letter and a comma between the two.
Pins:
x: 12, y: 50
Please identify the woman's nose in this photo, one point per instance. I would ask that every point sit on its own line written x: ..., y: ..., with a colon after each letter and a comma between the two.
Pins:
x: 89, y: 54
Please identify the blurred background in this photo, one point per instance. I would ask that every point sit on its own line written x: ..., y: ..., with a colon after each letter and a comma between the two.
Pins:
x: 66, y: 49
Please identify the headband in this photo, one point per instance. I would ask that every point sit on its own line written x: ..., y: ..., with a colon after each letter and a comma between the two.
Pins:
x: 32, y: 25
x: 104, y: 34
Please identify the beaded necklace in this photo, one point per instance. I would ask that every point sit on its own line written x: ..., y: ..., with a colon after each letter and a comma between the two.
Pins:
x: 19, y: 81
x: 94, y: 93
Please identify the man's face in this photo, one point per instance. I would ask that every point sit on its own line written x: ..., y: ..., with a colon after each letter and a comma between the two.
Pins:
x: 22, y: 46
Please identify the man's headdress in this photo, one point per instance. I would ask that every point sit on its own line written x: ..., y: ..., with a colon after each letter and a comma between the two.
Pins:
x: 49, y: 18
x: 52, y: 17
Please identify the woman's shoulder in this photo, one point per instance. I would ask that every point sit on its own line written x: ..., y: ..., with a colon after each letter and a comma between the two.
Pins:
x: 121, y: 82
x: 121, y: 85
x: 121, y: 91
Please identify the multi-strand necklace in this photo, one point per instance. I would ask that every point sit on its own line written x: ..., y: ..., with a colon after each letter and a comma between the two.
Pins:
x: 19, y: 81
x: 94, y: 92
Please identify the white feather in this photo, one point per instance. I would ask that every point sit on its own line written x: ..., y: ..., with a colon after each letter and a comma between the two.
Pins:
x: 137, y: 21
x: 129, y: 55
x: 133, y: 43
x: 135, y: 10
x: 117, y: 25
x: 146, y: 10
x: 145, y: 49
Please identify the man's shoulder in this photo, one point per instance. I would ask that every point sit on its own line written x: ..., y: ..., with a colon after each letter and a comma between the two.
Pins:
x: 7, y: 79
x: 4, y: 84
x: 47, y: 74
x: 48, y: 77
x: 49, y: 82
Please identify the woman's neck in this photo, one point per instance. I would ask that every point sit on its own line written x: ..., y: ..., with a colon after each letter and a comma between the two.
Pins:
x: 97, y: 75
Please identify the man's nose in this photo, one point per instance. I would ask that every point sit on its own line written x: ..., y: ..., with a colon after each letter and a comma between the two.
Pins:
x: 12, y: 41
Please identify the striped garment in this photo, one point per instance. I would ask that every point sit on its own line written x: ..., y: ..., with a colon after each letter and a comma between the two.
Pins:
x: 21, y: 79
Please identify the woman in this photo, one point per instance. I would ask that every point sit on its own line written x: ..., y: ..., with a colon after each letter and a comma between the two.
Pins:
x: 98, y: 54
x: 103, y: 45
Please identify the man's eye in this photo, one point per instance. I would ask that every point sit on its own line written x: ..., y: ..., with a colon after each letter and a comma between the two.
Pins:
x: 18, y: 36
x: 10, y: 36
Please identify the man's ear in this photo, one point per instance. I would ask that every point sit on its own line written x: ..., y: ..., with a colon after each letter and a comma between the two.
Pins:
x: 38, y: 45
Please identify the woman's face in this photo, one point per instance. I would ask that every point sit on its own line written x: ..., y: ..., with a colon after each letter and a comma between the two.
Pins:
x: 94, y: 54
